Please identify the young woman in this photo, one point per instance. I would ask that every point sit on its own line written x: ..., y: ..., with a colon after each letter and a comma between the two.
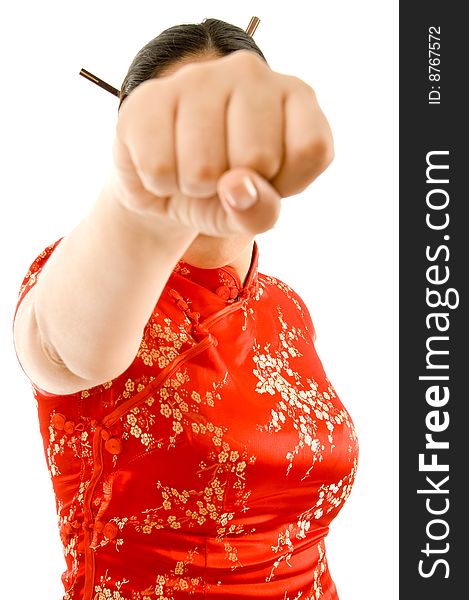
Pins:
x: 196, y: 446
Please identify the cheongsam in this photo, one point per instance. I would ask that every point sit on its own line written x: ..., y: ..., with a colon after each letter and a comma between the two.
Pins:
x: 213, y: 466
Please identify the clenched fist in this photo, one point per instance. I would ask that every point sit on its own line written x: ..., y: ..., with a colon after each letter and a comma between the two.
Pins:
x: 214, y: 145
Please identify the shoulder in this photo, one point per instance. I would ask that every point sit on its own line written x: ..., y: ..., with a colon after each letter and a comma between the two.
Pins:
x: 279, y: 291
x: 30, y: 279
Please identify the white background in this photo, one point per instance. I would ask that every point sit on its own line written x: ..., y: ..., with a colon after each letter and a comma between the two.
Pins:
x: 335, y: 244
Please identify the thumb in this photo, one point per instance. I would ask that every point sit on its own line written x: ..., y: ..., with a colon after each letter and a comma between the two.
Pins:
x: 249, y: 199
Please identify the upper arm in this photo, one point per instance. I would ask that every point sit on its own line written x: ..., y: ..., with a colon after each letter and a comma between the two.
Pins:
x: 42, y: 366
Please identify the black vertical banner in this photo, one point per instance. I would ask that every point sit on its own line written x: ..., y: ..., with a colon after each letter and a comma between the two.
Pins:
x: 434, y: 269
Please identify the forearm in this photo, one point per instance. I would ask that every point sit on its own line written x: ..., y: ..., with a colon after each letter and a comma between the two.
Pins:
x: 100, y: 286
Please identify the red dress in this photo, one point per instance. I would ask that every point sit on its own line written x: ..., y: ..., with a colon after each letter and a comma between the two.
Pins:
x: 213, y: 466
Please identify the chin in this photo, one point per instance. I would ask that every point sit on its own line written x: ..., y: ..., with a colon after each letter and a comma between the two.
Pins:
x: 210, y: 252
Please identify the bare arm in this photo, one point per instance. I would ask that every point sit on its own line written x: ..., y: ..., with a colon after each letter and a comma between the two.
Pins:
x: 82, y: 323
x: 181, y: 143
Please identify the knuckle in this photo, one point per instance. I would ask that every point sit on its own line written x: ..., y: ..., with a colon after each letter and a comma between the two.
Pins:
x: 263, y: 160
x: 296, y: 84
x: 316, y: 153
x: 193, y: 76
x: 190, y: 74
x: 203, y: 173
x: 134, y: 100
x: 248, y: 59
x: 200, y: 179
x: 307, y: 89
x: 160, y: 170
x: 157, y: 178
x: 293, y: 80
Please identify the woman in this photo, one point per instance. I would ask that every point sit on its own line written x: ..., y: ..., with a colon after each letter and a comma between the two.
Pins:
x: 195, y: 444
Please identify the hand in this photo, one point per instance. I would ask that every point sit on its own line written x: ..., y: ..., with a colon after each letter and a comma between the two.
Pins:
x: 220, y: 129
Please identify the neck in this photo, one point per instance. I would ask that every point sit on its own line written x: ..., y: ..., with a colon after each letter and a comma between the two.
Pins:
x: 243, y: 262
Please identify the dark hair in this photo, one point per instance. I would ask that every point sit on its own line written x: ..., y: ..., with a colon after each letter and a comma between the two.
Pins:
x: 212, y: 35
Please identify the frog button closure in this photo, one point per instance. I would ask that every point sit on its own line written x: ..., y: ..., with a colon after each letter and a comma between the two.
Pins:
x: 223, y: 291
x: 58, y: 421
x: 227, y: 292
x: 110, y: 530
x: 113, y: 445
x: 69, y: 427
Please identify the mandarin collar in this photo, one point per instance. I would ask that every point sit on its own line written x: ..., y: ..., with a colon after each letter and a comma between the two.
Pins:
x: 224, y: 281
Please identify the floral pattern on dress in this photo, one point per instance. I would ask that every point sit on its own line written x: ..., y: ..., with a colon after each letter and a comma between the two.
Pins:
x: 219, y: 457
x: 193, y: 508
x: 301, y: 406
x: 163, y: 588
x: 330, y: 498
x: 153, y: 350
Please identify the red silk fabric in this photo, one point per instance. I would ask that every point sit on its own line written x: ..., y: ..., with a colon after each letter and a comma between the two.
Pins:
x: 213, y: 466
